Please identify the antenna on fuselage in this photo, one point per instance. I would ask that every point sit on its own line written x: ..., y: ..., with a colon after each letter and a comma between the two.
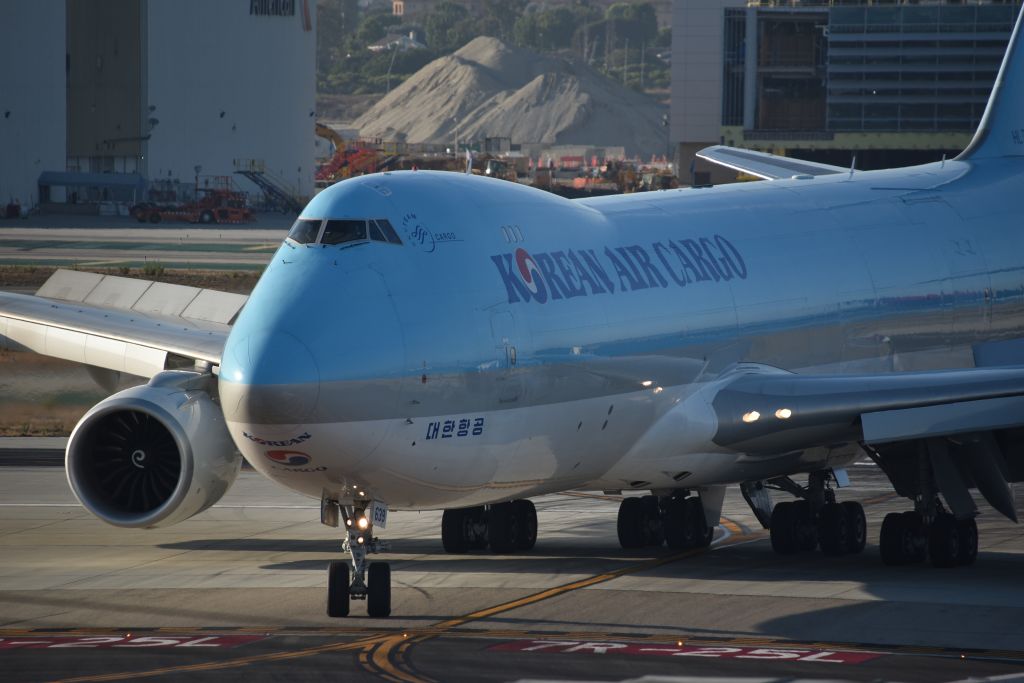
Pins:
x: 853, y: 166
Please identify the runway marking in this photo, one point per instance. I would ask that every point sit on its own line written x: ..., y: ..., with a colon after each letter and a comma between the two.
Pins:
x: 679, y: 649
x: 383, y: 653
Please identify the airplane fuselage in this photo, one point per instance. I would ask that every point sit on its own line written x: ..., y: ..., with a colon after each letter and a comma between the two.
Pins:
x: 518, y: 343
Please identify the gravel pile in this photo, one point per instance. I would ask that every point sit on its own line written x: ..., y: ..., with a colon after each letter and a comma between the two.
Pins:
x: 488, y: 89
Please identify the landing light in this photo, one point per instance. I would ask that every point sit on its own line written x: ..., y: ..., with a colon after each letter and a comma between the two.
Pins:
x: 360, y: 540
x: 783, y: 413
x: 647, y: 383
x: 752, y: 416
x: 362, y: 522
x: 658, y: 390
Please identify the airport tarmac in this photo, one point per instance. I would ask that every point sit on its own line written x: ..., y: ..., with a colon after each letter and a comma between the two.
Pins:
x: 110, y: 242
x: 238, y: 592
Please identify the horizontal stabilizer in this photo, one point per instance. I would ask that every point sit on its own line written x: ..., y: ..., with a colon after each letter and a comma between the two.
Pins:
x: 764, y: 165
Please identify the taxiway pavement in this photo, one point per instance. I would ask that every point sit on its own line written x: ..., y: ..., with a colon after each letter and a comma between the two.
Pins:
x: 76, y: 597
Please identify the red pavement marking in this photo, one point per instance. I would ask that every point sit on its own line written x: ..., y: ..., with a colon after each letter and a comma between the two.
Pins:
x: 127, y: 641
x: 670, y: 650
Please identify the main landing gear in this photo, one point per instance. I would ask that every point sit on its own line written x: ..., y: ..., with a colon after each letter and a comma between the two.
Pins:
x: 815, y: 520
x: 505, y: 527
x: 908, y: 537
x: 364, y: 582
x: 677, y: 521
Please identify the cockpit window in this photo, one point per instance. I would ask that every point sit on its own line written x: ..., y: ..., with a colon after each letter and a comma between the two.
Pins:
x: 389, y: 232
x: 375, y: 234
x: 341, y: 231
x: 304, y: 231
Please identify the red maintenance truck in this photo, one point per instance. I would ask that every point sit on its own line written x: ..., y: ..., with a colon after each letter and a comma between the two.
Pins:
x: 217, y: 202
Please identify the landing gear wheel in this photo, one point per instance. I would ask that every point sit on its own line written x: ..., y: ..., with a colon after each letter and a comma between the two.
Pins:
x: 630, y: 524
x: 699, y: 529
x: 968, y: 541
x: 527, y: 527
x: 378, y: 589
x: 856, y: 526
x: 902, y: 538
x: 337, y: 589
x: 806, y: 530
x: 154, y: 217
x: 833, y: 531
x: 783, y: 528
x: 502, y: 528
x: 944, y: 541
x: 676, y: 524
x: 653, y: 533
x: 453, y: 531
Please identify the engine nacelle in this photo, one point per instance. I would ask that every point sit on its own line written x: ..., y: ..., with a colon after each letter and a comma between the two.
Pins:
x: 153, y: 455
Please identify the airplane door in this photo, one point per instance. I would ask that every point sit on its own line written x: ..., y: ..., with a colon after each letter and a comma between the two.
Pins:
x: 509, y: 379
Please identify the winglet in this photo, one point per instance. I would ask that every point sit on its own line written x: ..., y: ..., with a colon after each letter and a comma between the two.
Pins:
x: 1001, y: 131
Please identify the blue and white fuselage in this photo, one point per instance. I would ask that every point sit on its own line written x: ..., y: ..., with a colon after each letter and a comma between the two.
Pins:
x: 516, y: 343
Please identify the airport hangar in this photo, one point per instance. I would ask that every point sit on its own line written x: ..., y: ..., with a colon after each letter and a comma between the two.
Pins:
x: 892, y: 83
x: 100, y: 99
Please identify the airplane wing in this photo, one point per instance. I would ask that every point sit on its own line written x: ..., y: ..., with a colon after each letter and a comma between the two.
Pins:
x: 780, y: 411
x: 763, y: 165
x: 119, y: 324
x: 957, y: 423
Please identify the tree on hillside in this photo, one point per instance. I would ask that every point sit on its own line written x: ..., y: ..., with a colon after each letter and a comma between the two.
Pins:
x: 498, y: 18
x: 448, y: 27
x: 375, y: 26
x: 637, y: 23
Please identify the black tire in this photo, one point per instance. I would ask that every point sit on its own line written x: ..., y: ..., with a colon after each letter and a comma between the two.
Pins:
x: 833, y: 533
x: 698, y: 525
x: 154, y: 217
x: 630, y: 523
x: 856, y: 526
x: 944, y: 541
x: 337, y: 589
x: 783, y: 529
x: 891, y: 540
x: 475, y: 519
x: 527, y: 524
x: 676, y: 526
x: 653, y: 534
x: 968, y: 541
x: 917, y: 536
x: 453, y: 531
x: 206, y: 217
x: 806, y: 532
x: 502, y: 528
x: 378, y: 590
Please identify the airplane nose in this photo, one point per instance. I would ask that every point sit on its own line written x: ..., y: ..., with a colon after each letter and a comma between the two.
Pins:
x: 269, y: 377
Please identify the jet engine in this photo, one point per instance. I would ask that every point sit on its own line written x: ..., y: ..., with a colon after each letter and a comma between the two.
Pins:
x: 153, y: 455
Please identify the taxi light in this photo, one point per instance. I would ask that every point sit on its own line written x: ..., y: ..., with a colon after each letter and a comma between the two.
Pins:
x: 752, y: 416
x: 360, y: 540
x: 363, y: 523
x: 783, y: 413
x: 647, y: 383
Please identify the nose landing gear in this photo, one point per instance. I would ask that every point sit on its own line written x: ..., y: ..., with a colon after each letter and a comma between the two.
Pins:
x: 370, y: 582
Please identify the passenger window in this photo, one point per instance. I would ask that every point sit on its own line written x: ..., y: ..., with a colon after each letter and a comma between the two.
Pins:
x: 375, y: 233
x: 304, y: 231
x: 341, y: 231
x: 388, y: 231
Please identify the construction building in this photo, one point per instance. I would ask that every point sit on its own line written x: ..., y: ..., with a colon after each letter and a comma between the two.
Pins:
x: 892, y: 84
x: 101, y: 100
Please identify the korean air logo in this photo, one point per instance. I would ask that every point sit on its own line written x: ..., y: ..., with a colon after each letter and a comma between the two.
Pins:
x: 530, y: 273
x: 288, y: 458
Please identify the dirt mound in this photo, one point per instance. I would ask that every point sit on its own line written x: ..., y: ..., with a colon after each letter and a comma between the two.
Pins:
x: 488, y: 89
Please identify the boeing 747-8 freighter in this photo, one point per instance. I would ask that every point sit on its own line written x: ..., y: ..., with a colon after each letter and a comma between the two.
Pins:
x: 443, y: 341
